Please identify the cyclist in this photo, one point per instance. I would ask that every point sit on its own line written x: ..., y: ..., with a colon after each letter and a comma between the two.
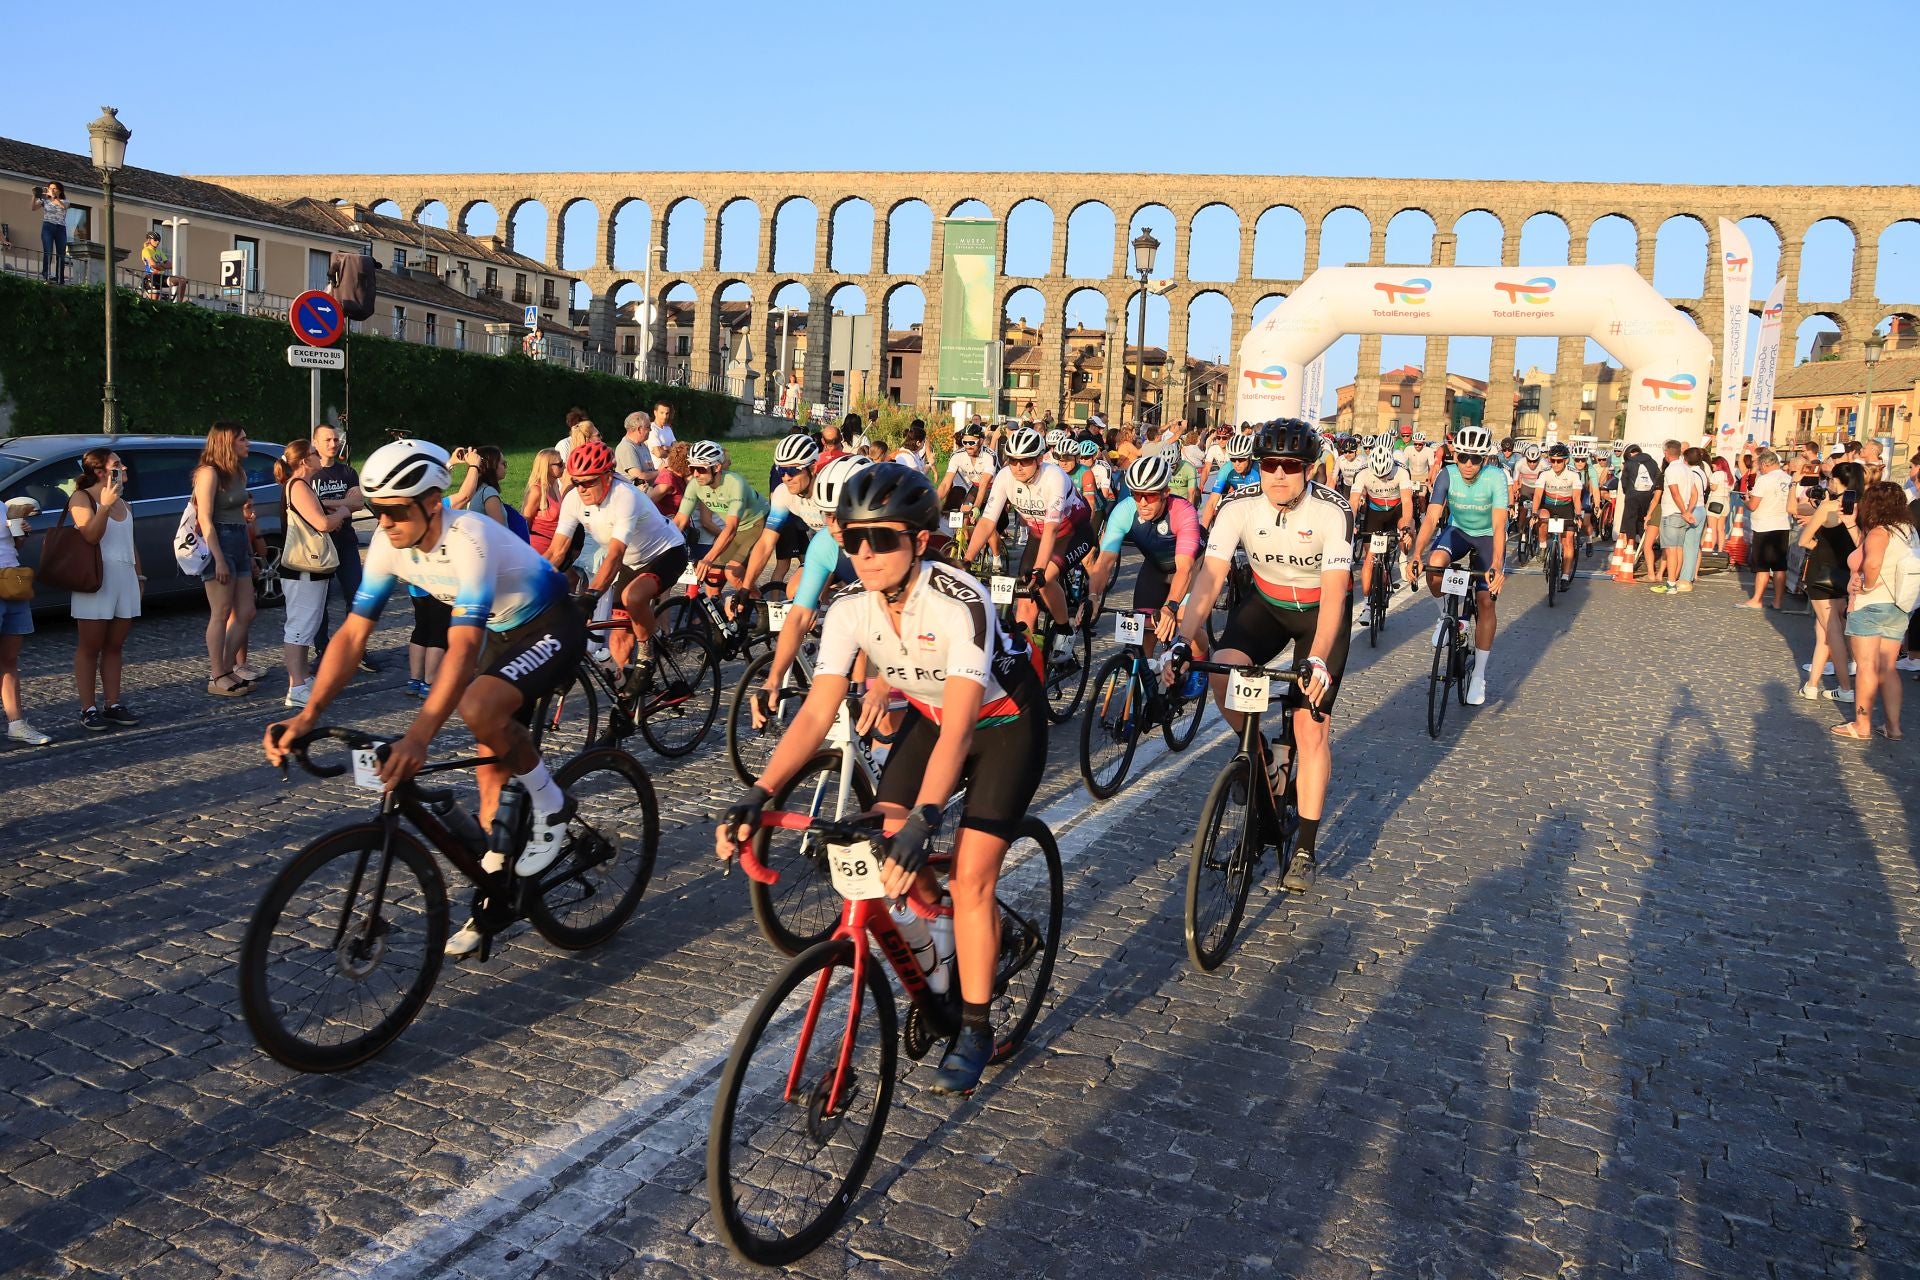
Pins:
x: 793, y: 517
x: 1589, y: 485
x: 1526, y: 479
x: 1098, y: 475
x: 823, y: 565
x: 643, y: 555
x: 513, y: 639
x: 1384, y: 502
x: 1418, y: 458
x: 969, y: 472
x: 1237, y: 475
x: 1472, y: 497
x: 1298, y: 537
x: 1166, y: 531
x: 1060, y: 449
x: 1059, y: 524
x: 978, y: 720
x: 1348, y: 466
x: 1558, y: 498
x: 1077, y: 462
x: 728, y: 507
x: 1507, y: 459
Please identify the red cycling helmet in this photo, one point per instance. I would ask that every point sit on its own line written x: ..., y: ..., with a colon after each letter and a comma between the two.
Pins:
x: 589, y: 460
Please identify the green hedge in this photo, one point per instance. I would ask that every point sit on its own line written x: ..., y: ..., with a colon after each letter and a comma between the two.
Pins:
x: 179, y: 367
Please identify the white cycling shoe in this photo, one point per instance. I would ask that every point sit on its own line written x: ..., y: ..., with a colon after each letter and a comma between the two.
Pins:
x: 546, y: 838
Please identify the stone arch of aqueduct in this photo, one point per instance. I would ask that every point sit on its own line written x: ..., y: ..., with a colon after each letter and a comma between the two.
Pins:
x: 1791, y: 211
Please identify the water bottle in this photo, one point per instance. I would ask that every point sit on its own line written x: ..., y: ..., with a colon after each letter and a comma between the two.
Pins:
x: 460, y: 823
x: 1194, y: 685
x: 915, y: 931
x: 509, y: 818
x: 942, y: 931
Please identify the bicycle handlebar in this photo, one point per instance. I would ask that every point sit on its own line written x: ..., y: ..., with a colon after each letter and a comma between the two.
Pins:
x: 354, y: 738
x: 860, y: 828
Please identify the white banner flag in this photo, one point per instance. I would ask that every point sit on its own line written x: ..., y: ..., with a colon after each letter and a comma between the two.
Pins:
x: 1314, y: 380
x: 1766, y: 366
x: 1736, y: 292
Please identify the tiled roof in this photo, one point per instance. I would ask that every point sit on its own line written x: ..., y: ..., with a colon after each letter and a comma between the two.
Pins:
x: 904, y: 341
x: 430, y: 291
x: 1848, y: 377
x: 77, y: 174
x: 438, y: 240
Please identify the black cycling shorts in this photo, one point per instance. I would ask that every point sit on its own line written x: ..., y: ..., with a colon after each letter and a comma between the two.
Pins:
x: 791, y: 539
x: 1002, y: 769
x: 1262, y: 632
x: 665, y: 570
x: 1072, y: 543
x: 1551, y: 510
x: 537, y: 657
x: 1379, y: 519
x: 1150, y: 587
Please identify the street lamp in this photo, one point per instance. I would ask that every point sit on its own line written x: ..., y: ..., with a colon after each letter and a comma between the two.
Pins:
x: 1874, y: 345
x: 107, y: 139
x: 1145, y: 247
x: 646, y: 305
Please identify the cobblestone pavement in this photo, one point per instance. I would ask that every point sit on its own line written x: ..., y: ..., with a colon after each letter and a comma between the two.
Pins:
x: 1617, y: 978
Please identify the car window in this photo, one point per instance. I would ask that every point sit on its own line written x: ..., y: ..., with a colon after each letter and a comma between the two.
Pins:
x: 50, y: 485
x: 160, y: 473
x: 260, y: 467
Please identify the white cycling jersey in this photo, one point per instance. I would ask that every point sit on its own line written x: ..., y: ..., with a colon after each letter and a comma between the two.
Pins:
x: 971, y: 470
x: 624, y: 515
x: 947, y: 628
x: 1287, y: 550
x: 1561, y: 486
x: 479, y: 566
x: 1050, y: 499
x: 1382, y: 493
x: 1419, y: 462
x: 786, y: 504
x: 1527, y: 474
x: 1349, y: 469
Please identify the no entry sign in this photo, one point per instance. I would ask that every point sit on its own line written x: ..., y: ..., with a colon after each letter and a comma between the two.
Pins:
x: 316, y: 319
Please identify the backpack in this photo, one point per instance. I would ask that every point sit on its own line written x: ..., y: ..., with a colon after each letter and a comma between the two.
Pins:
x: 517, y: 523
x: 189, y: 553
x: 1900, y: 570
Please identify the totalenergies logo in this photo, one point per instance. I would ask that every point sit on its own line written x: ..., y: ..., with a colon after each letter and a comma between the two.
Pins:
x: 1267, y: 379
x: 1736, y: 264
x: 1773, y: 312
x: 1534, y: 291
x: 1409, y: 293
x: 1678, y: 387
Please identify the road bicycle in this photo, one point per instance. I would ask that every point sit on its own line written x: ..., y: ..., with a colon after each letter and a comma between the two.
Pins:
x: 1554, y: 562
x: 1128, y: 700
x: 1526, y: 540
x: 346, y: 943
x: 803, y: 1101
x: 1386, y: 565
x: 672, y: 702
x: 1226, y: 603
x: 729, y: 635
x: 1453, y: 658
x: 1249, y: 807
x: 1063, y: 667
x: 749, y: 749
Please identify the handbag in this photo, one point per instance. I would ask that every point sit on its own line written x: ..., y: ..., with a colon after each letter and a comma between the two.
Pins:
x: 305, y: 549
x: 189, y: 553
x: 67, y: 560
x: 16, y: 584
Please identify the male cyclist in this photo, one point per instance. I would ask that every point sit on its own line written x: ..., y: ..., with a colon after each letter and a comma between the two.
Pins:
x: 792, y: 515
x: 1558, y: 498
x: 1298, y: 537
x: 1166, y: 531
x: 978, y: 721
x: 1059, y: 523
x: 644, y: 554
x: 1384, y: 504
x: 1472, y: 497
x: 727, y: 506
x: 1418, y: 458
x: 1526, y: 479
x: 1348, y: 467
x: 1238, y: 474
x: 513, y: 639
x: 824, y: 564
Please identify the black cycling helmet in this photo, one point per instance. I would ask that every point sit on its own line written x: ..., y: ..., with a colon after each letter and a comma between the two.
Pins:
x: 1287, y: 438
x: 888, y: 491
x: 1506, y: 444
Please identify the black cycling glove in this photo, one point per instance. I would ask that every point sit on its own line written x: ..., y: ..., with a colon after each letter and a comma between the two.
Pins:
x: 745, y: 813
x: 908, y: 847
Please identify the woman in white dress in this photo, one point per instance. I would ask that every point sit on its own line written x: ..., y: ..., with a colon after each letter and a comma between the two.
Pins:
x: 104, y: 617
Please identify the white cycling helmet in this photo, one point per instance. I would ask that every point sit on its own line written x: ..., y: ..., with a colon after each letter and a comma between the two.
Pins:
x: 1150, y: 472
x: 705, y: 453
x: 1581, y: 453
x: 1240, y: 447
x: 1022, y: 443
x: 1382, y: 460
x: 1473, y: 442
x: 798, y: 450
x: 1533, y: 453
x: 1419, y: 437
x: 404, y: 469
x: 1058, y: 441
x: 827, y: 484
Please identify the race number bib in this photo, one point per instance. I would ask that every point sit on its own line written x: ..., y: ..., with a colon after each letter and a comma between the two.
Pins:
x: 1378, y: 544
x: 776, y: 615
x: 1248, y: 693
x: 1129, y: 628
x: 856, y: 870
x: 1000, y: 588
x: 366, y: 771
x: 1454, y: 582
x: 956, y: 519
x: 688, y: 576
x: 1556, y: 526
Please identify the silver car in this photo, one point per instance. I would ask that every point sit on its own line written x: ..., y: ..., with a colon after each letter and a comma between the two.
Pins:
x: 159, y: 484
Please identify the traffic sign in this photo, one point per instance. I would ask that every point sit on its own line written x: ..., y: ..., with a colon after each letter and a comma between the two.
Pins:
x: 532, y: 317
x: 316, y: 318
x: 305, y: 357
x: 233, y: 269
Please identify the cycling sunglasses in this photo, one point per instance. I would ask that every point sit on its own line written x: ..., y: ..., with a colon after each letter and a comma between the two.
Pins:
x: 881, y: 541
x: 392, y: 512
x: 1290, y: 466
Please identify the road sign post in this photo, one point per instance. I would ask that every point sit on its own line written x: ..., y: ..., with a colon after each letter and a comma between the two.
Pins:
x: 318, y: 323
x: 233, y: 274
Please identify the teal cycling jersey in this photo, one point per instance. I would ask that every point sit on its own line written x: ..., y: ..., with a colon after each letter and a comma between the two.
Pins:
x: 824, y: 563
x: 1470, y: 505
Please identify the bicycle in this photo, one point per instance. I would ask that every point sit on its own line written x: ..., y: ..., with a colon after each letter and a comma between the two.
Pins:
x: 1526, y: 540
x: 673, y: 706
x: 1226, y: 603
x: 1555, y: 559
x: 1063, y: 672
x: 1220, y: 870
x: 321, y: 980
x: 1386, y: 563
x: 749, y: 749
x: 1453, y: 659
x: 1127, y: 698
x: 799, y: 1116
x: 705, y: 615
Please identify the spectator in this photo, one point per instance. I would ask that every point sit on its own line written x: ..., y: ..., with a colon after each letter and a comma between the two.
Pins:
x: 1696, y: 460
x: 540, y: 504
x: 1639, y: 483
x: 1913, y: 478
x: 661, y: 439
x: 51, y: 201
x: 308, y: 561
x: 427, y: 645
x: 1873, y: 460
x: 1767, y: 550
x: 16, y: 624
x: 480, y: 489
x: 157, y: 271
x: 575, y: 416
x: 1719, y: 503
x: 1877, y: 623
x: 914, y: 451
x: 220, y: 502
x: 852, y: 438
x: 670, y: 489
x: 1680, y: 492
x: 337, y: 485
x: 631, y: 457
x: 1120, y: 446
x: 1829, y: 538
x: 104, y: 617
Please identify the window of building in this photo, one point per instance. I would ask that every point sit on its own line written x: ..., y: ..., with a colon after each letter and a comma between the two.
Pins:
x: 400, y: 323
x: 1883, y: 419
x: 433, y: 329
x: 251, y: 247
x: 895, y: 370
x: 399, y: 258
x: 317, y: 262
x: 683, y: 345
x: 520, y: 286
x: 1416, y: 402
x: 1080, y: 408
x: 433, y: 263
x: 459, y: 335
x: 79, y: 223
x: 1394, y: 401
x: 1805, y: 422
x: 493, y: 279
x: 629, y: 345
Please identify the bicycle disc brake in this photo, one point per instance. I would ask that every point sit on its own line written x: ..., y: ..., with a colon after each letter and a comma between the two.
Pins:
x: 821, y: 1123
x: 361, y: 950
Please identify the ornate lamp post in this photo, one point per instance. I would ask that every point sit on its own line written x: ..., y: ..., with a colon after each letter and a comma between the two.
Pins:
x: 1874, y: 345
x: 1145, y: 247
x: 107, y: 138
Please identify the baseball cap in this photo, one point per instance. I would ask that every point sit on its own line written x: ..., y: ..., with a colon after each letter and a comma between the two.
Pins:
x: 1837, y: 451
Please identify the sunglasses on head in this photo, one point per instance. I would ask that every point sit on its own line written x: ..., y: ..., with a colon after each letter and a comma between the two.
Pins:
x: 881, y: 541
x: 1287, y: 466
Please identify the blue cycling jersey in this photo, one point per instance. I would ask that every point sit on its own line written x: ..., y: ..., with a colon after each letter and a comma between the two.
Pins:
x: 490, y: 577
x: 1470, y: 505
x: 1161, y: 541
x: 1226, y: 479
x: 824, y: 563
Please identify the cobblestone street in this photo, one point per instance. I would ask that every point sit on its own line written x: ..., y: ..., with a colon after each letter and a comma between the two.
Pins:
x: 1620, y: 976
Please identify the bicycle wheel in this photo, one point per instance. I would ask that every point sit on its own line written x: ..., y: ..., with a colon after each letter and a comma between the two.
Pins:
x: 1442, y: 677
x: 783, y: 1163
x: 1220, y: 872
x: 1225, y: 605
x: 683, y: 699
x: 679, y: 614
x: 1069, y: 664
x: 568, y: 722
x: 1183, y: 718
x: 1553, y: 569
x: 1110, y: 727
x: 747, y: 747
x: 611, y: 843
x: 801, y: 908
x: 1029, y: 934
x: 325, y: 981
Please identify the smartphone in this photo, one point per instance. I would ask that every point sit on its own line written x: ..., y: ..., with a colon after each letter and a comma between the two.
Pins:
x: 1848, y: 501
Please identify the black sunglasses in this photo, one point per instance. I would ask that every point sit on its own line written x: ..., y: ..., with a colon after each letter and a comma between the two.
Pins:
x: 1292, y: 466
x: 881, y: 541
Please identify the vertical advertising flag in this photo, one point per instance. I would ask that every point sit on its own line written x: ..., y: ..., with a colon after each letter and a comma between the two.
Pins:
x: 968, y: 313
x: 1736, y: 294
x: 1313, y: 386
x: 1766, y: 365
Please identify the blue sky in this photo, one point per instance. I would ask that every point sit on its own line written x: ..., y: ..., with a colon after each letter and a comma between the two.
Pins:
x: 1629, y: 92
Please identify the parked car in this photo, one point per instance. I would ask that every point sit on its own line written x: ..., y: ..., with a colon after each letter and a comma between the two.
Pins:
x: 159, y: 485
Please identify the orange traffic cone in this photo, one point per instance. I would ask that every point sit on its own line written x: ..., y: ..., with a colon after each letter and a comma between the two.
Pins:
x: 1620, y: 567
